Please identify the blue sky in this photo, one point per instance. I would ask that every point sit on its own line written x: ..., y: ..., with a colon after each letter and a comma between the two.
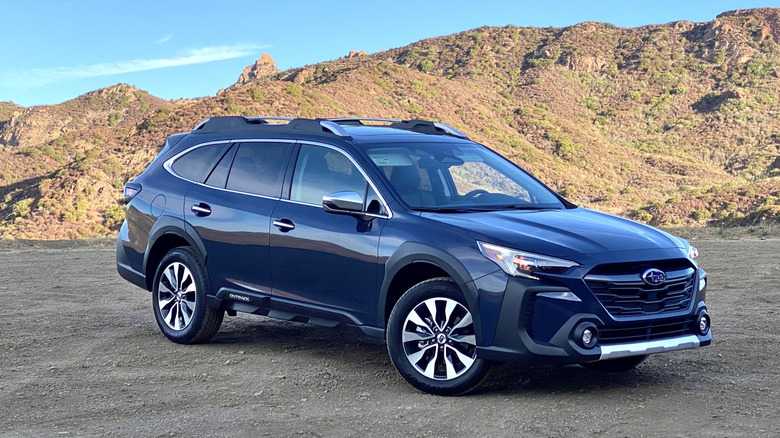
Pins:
x: 56, y: 50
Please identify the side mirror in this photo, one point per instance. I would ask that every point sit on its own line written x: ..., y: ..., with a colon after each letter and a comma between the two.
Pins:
x: 343, y: 203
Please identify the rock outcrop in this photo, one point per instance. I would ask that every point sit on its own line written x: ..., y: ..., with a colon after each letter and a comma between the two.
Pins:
x: 263, y: 67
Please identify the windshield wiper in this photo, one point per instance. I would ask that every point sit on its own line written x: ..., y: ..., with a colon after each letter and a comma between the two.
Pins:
x: 526, y: 207
x: 482, y: 208
x: 506, y: 207
x: 443, y: 209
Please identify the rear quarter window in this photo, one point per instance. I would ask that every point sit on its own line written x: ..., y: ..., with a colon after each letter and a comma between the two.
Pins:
x: 194, y: 164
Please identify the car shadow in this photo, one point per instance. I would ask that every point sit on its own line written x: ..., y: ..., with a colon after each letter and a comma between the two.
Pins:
x: 338, y: 344
x: 516, y: 378
x: 253, y: 331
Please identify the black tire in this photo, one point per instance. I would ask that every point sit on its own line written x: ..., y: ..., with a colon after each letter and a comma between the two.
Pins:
x: 436, y: 357
x: 179, y: 299
x: 619, y: 365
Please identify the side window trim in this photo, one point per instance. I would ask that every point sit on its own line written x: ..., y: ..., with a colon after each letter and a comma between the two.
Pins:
x: 287, y: 192
x: 169, y: 162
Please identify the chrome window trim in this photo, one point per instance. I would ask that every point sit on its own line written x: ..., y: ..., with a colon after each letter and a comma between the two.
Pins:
x: 169, y: 162
x: 290, y: 201
x: 240, y: 193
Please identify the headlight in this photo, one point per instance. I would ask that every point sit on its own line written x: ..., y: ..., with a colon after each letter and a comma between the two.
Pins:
x: 523, y: 264
x: 693, y: 253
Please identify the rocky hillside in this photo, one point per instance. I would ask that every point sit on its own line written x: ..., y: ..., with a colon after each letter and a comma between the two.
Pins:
x: 674, y: 124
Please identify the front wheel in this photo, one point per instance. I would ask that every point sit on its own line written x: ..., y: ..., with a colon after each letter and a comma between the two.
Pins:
x: 179, y: 299
x: 431, y: 339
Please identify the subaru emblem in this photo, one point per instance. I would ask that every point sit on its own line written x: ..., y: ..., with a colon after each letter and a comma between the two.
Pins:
x: 654, y: 277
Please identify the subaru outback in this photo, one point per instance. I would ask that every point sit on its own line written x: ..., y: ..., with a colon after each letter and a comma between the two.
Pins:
x: 403, y: 230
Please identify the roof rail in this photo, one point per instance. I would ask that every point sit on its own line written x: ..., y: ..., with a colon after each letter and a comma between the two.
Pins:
x: 333, y: 126
x: 425, y: 126
x: 266, y: 118
x: 223, y: 123
x: 428, y: 127
x: 317, y: 127
x: 360, y: 120
x: 241, y: 123
x: 450, y: 130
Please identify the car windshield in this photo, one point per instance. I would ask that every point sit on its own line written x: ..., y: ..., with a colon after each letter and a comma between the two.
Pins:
x: 459, y: 177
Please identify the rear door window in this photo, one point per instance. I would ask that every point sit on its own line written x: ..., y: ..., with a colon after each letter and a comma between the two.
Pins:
x: 258, y: 168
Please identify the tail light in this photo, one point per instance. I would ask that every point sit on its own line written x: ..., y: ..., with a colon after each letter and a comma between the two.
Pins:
x: 131, y: 189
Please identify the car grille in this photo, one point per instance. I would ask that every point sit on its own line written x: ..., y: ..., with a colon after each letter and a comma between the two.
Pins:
x: 646, y: 331
x: 620, y: 289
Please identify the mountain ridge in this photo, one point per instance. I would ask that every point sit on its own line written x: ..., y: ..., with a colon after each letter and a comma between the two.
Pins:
x: 672, y: 124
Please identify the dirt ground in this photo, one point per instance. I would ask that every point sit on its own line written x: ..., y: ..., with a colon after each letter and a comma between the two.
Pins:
x: 82, y: 356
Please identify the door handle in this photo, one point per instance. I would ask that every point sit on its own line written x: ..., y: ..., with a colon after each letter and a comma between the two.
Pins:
x: 201, y: 209
x: 284, y: 225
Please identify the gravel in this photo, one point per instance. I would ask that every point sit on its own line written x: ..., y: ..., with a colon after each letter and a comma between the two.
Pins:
x: 82, y: 356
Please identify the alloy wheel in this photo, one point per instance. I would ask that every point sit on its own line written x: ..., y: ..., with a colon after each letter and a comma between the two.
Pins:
x: 176, y: 296
x: 438, y: 338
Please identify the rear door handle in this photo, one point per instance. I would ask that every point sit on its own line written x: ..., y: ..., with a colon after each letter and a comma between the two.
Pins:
x: 284, y: 225
x: 201, y: 209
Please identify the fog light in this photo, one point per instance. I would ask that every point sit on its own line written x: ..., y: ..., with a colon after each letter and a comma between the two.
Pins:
x: 704, y: 323
x: 587, y: 337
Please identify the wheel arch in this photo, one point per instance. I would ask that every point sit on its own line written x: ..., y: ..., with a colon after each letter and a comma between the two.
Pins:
x: 413, y: 263
x: 164, y: 238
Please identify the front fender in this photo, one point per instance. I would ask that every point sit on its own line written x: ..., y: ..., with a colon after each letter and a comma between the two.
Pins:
x: 415, y: 252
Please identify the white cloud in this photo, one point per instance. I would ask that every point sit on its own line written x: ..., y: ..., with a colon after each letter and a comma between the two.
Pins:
x: 164, y: 39
x: 42, y: 76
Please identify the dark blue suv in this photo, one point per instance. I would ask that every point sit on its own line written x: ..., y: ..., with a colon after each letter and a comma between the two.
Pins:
x: 405, y: 230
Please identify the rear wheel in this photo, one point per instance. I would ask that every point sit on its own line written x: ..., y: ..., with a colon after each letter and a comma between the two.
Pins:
x: 179, y: 299
x: 431, y: 339
x: 616, y: 365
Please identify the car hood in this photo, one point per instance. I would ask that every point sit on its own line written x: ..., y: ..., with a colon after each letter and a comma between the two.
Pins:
x: 572, y: 233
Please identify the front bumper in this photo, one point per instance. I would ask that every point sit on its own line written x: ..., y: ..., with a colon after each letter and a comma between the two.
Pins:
x: 531, y: 327
x: 616, y: 351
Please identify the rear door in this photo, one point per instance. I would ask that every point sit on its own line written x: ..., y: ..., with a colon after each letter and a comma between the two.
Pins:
x: 325, y: 260
x: 231, y: 212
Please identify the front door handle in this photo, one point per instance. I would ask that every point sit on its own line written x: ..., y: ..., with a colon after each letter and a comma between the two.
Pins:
x: 201, y: 209
x: 284, y: 225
